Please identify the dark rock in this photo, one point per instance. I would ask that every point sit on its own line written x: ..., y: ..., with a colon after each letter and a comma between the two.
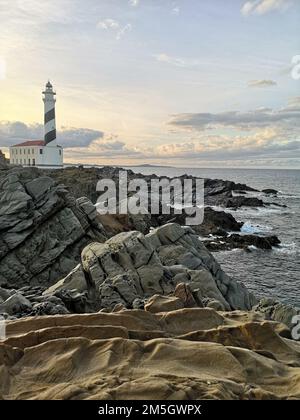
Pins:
x: 234, y: 241
x: 48, y: 308
x: 270, y: 192
x: 15, y: 305
x: 239, y: 201
x: 276, y: 311
x: 43, y: 228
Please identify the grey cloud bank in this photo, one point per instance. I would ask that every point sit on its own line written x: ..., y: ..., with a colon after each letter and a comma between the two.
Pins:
x: 17, y: 132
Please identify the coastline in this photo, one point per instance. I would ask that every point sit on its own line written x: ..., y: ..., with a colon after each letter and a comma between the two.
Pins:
x: 117, y: 282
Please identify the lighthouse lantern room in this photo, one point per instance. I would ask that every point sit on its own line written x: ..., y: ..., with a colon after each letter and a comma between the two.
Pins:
x: 45, y: 153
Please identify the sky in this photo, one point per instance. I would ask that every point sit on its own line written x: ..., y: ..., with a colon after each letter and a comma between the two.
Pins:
x: 188, y: 83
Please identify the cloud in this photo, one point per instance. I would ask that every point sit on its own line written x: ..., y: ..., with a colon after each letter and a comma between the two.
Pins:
x: 259, y: 118
x: 33, y: 12
x: 262, y: 132
x: 108, y: 24
x: 123, y: 31
x: 176, y: 11
x: 134, y: 3
x: 17, y: 132
x: 223, y: 147
x: 114, y: 25
x: 176, y: 61
x: 261, y: 7
x: 262, y: 83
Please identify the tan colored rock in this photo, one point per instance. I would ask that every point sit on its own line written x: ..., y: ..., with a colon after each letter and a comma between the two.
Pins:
x: 187, y: 354
x: 184, y: 293
x: 158, y: 303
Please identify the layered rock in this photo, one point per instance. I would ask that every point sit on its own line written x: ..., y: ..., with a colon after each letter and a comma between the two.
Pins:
x: 42, y: 228
x: 277, y: 311
x: 131, y: 267
x: 179, y: 355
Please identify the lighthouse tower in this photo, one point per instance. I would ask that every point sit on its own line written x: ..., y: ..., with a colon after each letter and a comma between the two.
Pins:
x: 49, y: 118
x: 44, y: 154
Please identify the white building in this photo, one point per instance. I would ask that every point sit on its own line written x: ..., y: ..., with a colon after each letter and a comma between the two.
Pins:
x: 41, y: 153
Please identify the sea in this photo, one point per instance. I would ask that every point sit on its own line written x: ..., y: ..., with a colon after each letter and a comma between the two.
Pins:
x: 274, y: 273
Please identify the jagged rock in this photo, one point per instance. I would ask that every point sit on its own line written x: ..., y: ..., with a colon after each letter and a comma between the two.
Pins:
x: 270, y: 191
x: 213, y: 304
x: 74, y: 280
x: 15, y: 304
x: 235, y: 241
x: 239, y: 201
x: 277, y: 311
x: 119, y: 308
x: 48, y: 308
x: 184, y: 293
x: 158, y: 303
x: 131, y: 266
x: 74, y: 301
x: 5, y: 294
x: 138, y: 303
x: 43, y: 228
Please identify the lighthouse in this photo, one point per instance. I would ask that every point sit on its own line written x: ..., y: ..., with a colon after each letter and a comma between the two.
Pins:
x: 49, y: 115
x: 44, y: 154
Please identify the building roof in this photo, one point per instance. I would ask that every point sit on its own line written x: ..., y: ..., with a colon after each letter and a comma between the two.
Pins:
x: 30, y: 143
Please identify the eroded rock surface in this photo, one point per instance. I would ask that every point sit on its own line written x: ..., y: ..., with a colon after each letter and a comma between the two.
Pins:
x: 132, y: 266
x: 180, y: 355
x: 42, y: 228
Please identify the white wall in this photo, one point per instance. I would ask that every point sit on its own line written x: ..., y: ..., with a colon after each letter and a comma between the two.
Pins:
x: 26, y: 156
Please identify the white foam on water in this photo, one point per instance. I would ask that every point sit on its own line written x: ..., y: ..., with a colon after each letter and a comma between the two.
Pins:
x: 249, y: 228
x: 252, y: 248
x: 287, y: 248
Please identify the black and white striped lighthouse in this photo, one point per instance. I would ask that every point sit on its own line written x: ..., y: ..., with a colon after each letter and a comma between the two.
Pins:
x: 49, y: 121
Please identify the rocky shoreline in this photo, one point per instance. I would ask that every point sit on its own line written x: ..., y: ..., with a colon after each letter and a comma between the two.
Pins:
x: 109, y: 282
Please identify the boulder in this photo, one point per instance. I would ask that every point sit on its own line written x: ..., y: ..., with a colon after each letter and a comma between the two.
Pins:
x: 234, y: 241
x: 277, y: 311
x: 131, y: 267
x: 16, y: 304
x: 270, y: 191
x: 74, y: 280
x: 158, y: 303
x: 48, y: 308
x: 184, y: 293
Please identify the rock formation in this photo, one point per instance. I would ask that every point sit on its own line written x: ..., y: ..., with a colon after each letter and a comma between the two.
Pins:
x: 195, y: 353
x: 114, y: 309
x: 42, y: 228
x: 131, y: 267
x: 3, y: 161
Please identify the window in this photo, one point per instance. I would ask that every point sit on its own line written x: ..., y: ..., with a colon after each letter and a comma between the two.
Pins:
x: 32, y: 151
x: 29, y: 151
x: 41, y: 151
x: 33, y: 162
x: 59, y: 152
x: 29, y: 162
x: 24, y: 151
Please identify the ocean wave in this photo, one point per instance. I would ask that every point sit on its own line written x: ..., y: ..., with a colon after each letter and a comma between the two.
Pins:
x: 259, y: 211
x: 287, y: 248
